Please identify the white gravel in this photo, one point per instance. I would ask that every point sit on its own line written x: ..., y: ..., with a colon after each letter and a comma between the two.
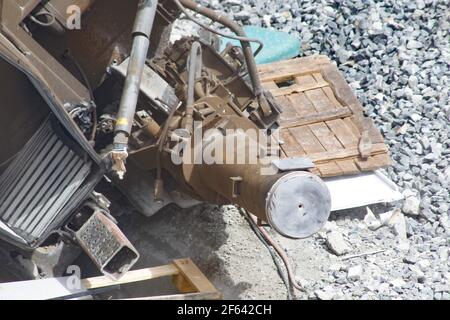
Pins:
x: 396, y: 56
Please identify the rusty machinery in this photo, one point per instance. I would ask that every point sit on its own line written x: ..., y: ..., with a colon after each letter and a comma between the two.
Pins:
x: 116, y: 99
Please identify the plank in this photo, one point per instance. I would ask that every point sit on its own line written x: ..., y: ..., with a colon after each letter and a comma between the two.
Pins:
x: 131, y: 276
x: 348, y: 166
x: 378, y: 148
x: 307, y: 140
x: 270, y: 85
x: 289, y: 111
x: 296, y: 88
x: 351, y: 126
x: 318, y: 117
x: 289, y: 69
x: 374, y: 162
x: 307, y: 81
x: 325, y: 136
x: 329, y: 93
x: 329, y: 169
x: 305, y: 61
x: 330, y: 143
x: 342, y: 132
x: 194, y: 276
x: 340, y: 88
x: 290, y: 146
x: 319, y: 78
x: 320, y: 100
x: 190, y: 296
x: 302, y: 104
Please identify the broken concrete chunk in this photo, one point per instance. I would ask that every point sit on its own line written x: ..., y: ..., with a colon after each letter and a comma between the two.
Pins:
x: 371, y: 220
x: 398, y: 283
x: 354, y: 273
x: 325, y: 294
x: 411, y: 206
x: 337, y: 244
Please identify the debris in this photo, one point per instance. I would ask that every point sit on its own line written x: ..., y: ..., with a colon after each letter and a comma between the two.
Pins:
x: 325, y: 294
x: 410, y: 259
x: 398, y: 283
x: 411, y: 206
x: 336, y: 243
x: 354, y: 273
x: 424, y: 265
x: 443, y: 254
x: 371, y: 220
x: 363, y: 254
x: 398, y: 223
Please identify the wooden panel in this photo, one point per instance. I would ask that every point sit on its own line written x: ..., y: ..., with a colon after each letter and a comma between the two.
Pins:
x: 289, y: 69
x: 323, y: 119
x: 307, y: 140
x: 270, y: 85
x: 329, y: 169
x: 346, y: 153
x: 374, y: 162
x: 331, y: 96
x: 302, y: 104
x: 306, y: 81
x: 320, y: 100
x: 290, y: 146
x: 317, y: 117
x: 325, y: 136
x: 295, y: 88
x: 289, y: 112
x: 343, y: 133
x: 348, y: 166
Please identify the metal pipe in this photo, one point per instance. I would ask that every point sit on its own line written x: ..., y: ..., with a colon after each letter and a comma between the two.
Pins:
x: 141, y: 43
x: 296, y: 204
x: 246, y: 48
x: 195, y: 72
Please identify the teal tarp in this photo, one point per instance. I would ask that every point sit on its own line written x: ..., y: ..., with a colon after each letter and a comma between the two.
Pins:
x: 277, y: 45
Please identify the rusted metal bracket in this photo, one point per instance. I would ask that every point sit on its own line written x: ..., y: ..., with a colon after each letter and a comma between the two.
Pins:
x: 107, y: 246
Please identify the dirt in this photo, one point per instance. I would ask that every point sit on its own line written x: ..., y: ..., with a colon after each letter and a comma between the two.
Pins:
x: 222, y: 244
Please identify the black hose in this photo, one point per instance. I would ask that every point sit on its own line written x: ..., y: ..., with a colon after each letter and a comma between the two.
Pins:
x: 68, y: 55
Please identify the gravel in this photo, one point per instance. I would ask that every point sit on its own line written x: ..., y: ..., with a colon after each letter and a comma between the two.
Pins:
x: 396, y: 55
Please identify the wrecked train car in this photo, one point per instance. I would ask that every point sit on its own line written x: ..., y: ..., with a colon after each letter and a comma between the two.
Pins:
x: 114, y: 100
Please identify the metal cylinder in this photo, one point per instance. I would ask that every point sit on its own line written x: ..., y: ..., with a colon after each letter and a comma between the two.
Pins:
x: 141, y: 42
x: 296, y: 204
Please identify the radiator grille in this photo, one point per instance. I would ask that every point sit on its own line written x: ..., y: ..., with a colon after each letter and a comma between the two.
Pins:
x: 39, y: 183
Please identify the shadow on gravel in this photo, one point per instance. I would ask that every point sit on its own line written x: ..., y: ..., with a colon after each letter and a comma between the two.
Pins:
x: 175, y: 233
x: 360, y: 212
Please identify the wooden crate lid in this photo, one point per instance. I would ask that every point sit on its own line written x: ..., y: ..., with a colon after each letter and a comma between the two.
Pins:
x: 322, y: 118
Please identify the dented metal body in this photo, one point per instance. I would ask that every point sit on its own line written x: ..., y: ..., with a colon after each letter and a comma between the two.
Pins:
x: 115, y: 98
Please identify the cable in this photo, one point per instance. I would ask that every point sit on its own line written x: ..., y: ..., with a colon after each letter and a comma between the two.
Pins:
x: 68, y: 55
x: 273, y: 255
x: 245, y: 39
x: 281, y: 253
